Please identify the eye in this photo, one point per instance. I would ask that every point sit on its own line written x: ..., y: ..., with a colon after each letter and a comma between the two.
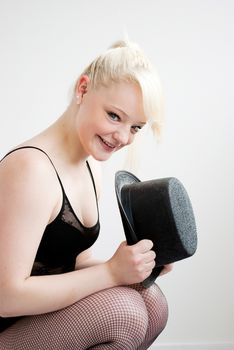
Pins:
x: 113, y: 116
x: 136, y: 128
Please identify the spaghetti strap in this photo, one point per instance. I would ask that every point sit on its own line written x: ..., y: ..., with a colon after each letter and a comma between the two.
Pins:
x: 92, y: 178
x: 41, y: 150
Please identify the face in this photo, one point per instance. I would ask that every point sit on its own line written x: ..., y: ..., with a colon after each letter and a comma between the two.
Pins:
x: 108, y: 118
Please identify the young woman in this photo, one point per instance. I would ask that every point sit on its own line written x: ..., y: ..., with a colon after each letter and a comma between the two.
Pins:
x: 53, y: 295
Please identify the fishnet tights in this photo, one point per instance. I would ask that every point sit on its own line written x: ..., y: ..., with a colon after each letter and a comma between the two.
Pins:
x: 121, y: 318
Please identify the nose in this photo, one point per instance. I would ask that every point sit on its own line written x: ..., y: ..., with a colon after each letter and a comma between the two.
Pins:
x: 123, y: 136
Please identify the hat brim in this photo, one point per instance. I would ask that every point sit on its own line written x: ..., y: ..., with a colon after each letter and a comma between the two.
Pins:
x: 123, y: 178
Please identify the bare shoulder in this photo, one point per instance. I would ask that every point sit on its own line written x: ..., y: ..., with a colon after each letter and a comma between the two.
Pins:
x: 97, y: 173
x: 25, y: 162
x: 28, y: 172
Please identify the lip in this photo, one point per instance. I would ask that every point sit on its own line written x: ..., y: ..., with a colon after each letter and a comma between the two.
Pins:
x: 109, y: 147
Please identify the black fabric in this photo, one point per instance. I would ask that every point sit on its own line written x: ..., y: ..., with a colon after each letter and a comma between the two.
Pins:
x: 63, y: 239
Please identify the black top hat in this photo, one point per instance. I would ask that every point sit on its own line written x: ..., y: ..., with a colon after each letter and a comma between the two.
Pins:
x: 159, y: 210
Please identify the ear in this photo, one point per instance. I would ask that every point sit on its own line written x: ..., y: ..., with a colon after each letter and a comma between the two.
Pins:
x: 82, y: 86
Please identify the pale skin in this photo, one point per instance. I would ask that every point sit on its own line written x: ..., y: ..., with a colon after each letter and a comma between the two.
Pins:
x: 95, y: 125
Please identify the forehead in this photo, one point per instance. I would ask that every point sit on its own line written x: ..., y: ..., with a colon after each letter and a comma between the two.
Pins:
x: 124, y: 96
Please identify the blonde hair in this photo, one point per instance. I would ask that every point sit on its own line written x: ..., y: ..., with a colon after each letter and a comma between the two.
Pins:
x: 125, y: 61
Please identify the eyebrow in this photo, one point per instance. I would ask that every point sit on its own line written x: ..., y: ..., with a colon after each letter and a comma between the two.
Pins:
x: 120, y: 110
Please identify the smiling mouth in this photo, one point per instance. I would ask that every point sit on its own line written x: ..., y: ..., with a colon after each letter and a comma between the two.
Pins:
x: 108, y: 144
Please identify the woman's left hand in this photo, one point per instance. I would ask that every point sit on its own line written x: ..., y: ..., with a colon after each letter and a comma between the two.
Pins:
x: 167, y: 268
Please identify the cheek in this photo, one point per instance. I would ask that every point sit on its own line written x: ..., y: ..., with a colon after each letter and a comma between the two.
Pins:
x: 87, y: 129
x: 92, y: 121
x: 88, y: 115
x: 84, y: 118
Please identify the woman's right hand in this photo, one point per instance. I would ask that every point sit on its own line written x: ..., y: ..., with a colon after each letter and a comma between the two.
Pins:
x: 132, y: 263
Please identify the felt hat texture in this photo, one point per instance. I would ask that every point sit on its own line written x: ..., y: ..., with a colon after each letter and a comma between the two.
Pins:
x: 159, y: 210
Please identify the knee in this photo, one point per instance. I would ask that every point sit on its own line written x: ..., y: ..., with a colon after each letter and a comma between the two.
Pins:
x: 128, y: 314
x: 157, y: 307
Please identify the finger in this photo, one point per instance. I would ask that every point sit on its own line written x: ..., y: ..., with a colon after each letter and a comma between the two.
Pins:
x: 149, y: 266
x: 167, y: 268
x: 149, y: 256
x: 143, y: 246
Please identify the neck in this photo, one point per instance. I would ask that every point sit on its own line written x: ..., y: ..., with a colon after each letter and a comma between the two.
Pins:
x: 67, y: 137
x: 61, y: 139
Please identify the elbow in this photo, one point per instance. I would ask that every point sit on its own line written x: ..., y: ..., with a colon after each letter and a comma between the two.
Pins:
x: 3, y: 306
x: 3, y: 313
x: 9, y: 311
x: 9, y: 305
x: 6, y: 309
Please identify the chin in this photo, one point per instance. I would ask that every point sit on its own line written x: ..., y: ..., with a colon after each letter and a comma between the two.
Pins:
x: 101, y: 158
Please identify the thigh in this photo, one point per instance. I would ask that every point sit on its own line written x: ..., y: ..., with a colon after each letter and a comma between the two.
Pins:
x: 115, y: 317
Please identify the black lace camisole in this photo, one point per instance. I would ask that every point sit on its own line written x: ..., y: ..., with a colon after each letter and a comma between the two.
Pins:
x: 63, y: 239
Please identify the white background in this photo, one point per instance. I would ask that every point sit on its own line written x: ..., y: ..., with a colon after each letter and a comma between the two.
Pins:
x: 45, y: 44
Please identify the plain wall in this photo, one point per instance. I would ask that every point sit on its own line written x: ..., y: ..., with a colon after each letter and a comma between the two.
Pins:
x: 43, y: 47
